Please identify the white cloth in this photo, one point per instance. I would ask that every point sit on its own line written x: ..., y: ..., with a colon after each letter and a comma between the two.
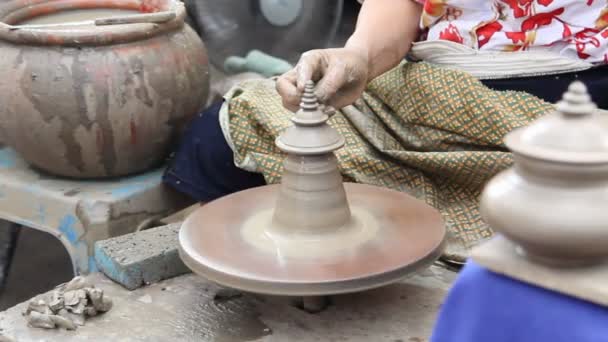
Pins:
x: 494, y: 64
x: 574, y: 29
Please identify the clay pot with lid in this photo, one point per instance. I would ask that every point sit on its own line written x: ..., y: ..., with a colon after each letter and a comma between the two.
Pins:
x: 99, y: 99
x: 553, y: 203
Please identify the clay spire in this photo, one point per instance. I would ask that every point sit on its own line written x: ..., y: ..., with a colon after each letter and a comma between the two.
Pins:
x: 311, y: 197
x: 309, y: 113
x: 310, y: 133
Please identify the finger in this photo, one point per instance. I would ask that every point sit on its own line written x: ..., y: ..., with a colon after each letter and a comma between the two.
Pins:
x: 332, y: 81
x: 286, y: 84
x: 306, y: 68
x: 343, y: 99
x: 328, y: 110
x: 286, y: 87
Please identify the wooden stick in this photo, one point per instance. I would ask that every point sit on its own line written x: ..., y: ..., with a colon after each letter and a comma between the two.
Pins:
x: 154, y: 18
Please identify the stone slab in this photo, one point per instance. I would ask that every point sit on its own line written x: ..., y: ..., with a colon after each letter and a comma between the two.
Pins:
x: 587, y: 283
x: 184, y: 309
x: 141, y: 258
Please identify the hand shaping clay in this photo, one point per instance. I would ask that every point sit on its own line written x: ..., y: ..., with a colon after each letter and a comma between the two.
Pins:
x: 312, y: 235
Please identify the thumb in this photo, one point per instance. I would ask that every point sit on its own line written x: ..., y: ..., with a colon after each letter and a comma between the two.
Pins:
x: 307, y: 68
x: 332, y: 81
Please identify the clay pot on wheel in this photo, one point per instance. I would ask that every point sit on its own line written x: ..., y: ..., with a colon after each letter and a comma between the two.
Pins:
x: 554, y: 202
x: 98, y: 100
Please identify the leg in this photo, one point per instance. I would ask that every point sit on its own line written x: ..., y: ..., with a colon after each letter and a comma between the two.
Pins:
x: 203, y: 165
x: 9, y: 232
x: 551, y: 88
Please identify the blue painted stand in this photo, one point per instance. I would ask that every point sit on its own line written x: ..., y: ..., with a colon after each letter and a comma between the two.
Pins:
x: 79, y: 212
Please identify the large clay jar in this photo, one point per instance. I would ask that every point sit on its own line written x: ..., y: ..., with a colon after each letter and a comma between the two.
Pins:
x: 554, y: 202
x: 92, y: 101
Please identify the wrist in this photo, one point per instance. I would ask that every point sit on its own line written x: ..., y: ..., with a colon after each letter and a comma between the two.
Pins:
x: 362, y: 49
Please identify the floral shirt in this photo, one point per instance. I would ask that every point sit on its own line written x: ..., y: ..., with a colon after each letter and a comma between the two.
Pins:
x: 572, y: 28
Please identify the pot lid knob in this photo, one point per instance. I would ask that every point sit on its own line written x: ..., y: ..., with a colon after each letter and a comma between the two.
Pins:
x: 576, y: 101
x: 573, y: 133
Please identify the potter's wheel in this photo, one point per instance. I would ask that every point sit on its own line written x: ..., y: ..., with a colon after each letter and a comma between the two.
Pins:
x: 312, y: 235
x: 408, y: 235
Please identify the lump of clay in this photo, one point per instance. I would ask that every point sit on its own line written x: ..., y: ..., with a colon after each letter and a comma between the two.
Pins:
x: 62, y: 322
x: 57, y: 301
x: 75, y: 284
x: 68, y: 306
x: 38, y: 306
x: 77, y: 319
x: 100, y: 302
x: 39, y: 320
x: 74, y: 298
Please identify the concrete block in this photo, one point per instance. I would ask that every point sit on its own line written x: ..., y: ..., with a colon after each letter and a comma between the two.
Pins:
x: 141, y: 258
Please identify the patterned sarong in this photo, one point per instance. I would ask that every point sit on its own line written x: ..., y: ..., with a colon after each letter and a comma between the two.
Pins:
x: 430, y: 132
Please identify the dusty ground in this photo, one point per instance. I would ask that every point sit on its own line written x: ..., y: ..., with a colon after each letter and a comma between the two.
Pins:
x: 186, y: 308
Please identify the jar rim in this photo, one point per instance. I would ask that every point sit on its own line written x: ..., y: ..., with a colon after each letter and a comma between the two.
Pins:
x: 15, y: 11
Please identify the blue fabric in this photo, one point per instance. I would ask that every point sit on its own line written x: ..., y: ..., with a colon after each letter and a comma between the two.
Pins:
x: 552, y: 87
x: 203, y: 165
x: 487, y: 307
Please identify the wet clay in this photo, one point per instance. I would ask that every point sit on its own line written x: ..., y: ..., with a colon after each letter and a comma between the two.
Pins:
x: 263, y: 233
x: 68, y: 306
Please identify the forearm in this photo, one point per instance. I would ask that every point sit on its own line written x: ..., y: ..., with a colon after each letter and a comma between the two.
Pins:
x: 385, y: 31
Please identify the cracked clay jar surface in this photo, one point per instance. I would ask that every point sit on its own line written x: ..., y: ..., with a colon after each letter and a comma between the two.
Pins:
x: 98, y: 101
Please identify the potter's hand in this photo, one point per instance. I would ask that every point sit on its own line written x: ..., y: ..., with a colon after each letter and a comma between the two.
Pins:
x: 341, y: 76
